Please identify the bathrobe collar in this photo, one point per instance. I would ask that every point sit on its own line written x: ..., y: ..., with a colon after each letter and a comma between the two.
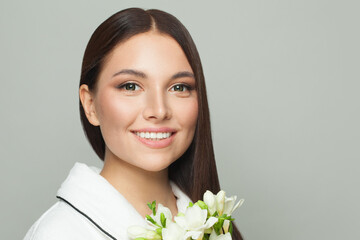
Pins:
x: 92, y: 194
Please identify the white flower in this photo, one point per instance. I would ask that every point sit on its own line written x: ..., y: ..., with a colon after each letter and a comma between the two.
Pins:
x: 214, y: 236
x: 173, y: 232
x: 215, y: 202
x: 210, y: 201
x: 194, y: 222
x: 221, y: 203
x: 166, y: 211
x: 229, y: 207
x: 226, y: 226
x: 141, y: 232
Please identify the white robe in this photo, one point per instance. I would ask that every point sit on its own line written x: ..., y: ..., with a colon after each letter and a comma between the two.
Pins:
x: 95, y: 197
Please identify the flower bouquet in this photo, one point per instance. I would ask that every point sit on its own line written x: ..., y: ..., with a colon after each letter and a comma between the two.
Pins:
x: 209, y: 219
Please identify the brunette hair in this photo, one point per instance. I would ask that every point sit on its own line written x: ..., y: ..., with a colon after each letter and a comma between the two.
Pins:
x: 195, y: 171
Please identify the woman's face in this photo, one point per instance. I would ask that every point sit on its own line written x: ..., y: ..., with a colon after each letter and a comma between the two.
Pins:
x: 145, y: 102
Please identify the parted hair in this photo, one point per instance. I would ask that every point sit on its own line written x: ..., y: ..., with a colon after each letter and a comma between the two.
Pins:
x: 195, y: 171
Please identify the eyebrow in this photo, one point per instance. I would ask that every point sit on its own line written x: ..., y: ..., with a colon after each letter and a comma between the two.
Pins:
x: 183, y: 74
x: 137, y: 73
x: 131, y: 72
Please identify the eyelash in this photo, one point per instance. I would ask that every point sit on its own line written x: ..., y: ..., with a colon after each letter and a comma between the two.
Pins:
x: 124, y: 85
x: 186, y: 86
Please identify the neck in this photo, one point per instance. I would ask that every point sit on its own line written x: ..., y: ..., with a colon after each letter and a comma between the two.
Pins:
x: 139, y: 186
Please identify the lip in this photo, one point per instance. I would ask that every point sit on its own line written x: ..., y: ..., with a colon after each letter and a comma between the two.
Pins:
x: 162, y: 129
x: 158, y: 143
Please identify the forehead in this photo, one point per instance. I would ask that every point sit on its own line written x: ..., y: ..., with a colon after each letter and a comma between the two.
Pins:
x: 151, y: 52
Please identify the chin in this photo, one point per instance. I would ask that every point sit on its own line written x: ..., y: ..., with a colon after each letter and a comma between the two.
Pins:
x: 154, y: 164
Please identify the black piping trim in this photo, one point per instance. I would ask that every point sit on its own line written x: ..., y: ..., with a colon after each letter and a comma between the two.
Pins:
x: 92, y: 221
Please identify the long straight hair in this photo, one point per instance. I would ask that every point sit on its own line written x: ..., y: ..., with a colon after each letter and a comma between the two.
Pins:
x: 195, y: 171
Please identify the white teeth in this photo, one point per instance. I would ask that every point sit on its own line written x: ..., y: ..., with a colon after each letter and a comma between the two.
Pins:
x: 153, y: 135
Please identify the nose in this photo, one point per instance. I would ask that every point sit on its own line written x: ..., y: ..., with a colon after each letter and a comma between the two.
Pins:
x: 156, y: 107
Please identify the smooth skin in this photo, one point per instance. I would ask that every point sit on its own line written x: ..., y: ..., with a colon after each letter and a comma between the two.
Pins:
x: 146, y: 82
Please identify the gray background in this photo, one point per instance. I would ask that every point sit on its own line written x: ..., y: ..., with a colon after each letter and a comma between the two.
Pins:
x: 283, y: 85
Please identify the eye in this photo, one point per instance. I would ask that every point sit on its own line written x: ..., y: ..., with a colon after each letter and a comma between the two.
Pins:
x: 180, y: 88
x: 129, y: 86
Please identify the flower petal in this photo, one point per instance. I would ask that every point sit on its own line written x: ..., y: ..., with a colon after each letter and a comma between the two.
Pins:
x: 210, y: 201
x: 238, y: 204
x: 141, y: 232
x: 220, y: 202
x: 173, y: 232
x: 181, y: 221
x: 229, y: 204
x: 136, y: 231
x: 195, y: 217
x: 226, y: 225
x: 194, y: 234
x: 214, y: 236
x: 165, y: 210
x: 161, y: 209
x: 210, y: 222
x: 226, y: 236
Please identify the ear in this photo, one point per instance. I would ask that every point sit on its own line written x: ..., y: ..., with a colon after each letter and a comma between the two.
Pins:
x: 87, y: 101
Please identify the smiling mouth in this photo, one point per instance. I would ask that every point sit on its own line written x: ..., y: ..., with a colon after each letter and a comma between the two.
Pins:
x: 154, y: 136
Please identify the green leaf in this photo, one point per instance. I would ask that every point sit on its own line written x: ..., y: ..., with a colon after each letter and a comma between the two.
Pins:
x: 201, y: 204
x: 215, y: 214
x: 191, y: 204
x: 159, y: 231
x: 221, y: 222
x: 149, y: 205
x: 163, y: 219
x: 206, y: 237
x: 231, y: 228
x: 154, y: 207
x: 223, y: 216
x: 218, y: 226
x: 150, y: 219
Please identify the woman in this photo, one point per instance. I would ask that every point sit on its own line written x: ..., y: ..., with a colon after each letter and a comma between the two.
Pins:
x: 144, y: 109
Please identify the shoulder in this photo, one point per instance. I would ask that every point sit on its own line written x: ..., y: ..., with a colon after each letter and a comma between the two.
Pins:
x: 62, y: 222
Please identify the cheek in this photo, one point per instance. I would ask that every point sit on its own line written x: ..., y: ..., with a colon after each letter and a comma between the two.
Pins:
x: 188, y: 113
x: 115, y: 113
